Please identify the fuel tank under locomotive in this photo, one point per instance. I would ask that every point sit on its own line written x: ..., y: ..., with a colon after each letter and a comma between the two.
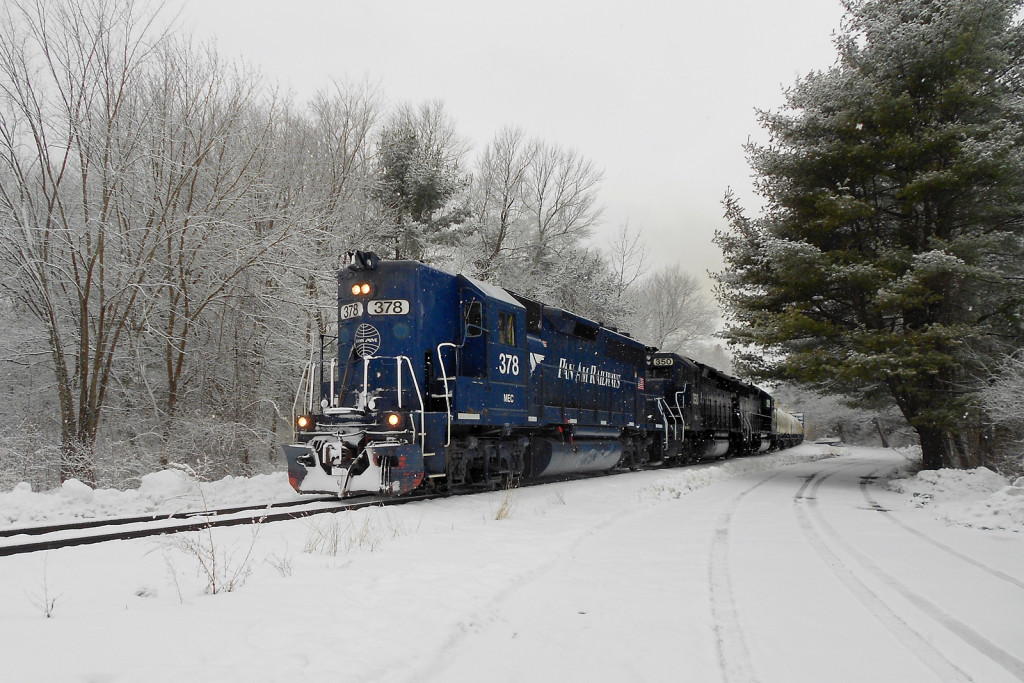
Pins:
x: 553, y: 457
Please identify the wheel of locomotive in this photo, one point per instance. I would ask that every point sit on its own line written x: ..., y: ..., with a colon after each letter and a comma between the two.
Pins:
x: 631, y: 452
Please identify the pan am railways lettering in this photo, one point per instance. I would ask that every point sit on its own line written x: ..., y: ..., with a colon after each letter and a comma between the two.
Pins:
x: 587, y: 374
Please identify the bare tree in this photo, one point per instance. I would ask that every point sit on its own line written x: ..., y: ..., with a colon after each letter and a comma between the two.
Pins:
x: 672, y: 310
x: 561, y: 196
x: 627, y: 253
x: 536, y: 204
x: 584, y: 284
x: 138, y: 195
x: 212, y: 132
x: 501, y: 178
x: 1003, y: 396
x: 336, y: 158
x: 1002, y: 399
x: 76, y: 225
x: 339, y: 147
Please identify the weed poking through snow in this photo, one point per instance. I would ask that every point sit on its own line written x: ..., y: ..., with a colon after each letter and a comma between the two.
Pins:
x: 216, y: 563
x: 44, y: 601
x: 508, y: 503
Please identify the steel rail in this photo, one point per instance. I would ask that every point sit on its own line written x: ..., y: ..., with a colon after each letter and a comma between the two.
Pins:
x: 117, y: 521
x: 258, y: 515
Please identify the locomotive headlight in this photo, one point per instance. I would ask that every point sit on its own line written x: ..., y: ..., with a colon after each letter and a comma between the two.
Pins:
x: 361, y: 289
x: 355, y: 290
x: 304, y: 422
x: 394, y: 420
x: 364, y: 288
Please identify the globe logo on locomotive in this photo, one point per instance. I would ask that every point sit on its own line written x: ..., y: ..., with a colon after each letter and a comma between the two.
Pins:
x: 367, y: 340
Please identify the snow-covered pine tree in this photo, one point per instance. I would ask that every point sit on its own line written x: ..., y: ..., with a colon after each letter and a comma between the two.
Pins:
x: 893, y: 184
x: 418, y: 176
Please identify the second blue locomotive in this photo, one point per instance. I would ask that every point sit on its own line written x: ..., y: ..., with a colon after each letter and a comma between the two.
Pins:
x: 441, y: 381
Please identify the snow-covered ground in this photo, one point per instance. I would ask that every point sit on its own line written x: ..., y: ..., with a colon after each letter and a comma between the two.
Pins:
x: 789, y: 567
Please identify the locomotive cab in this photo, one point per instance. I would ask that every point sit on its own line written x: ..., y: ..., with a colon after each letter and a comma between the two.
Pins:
x: 491, y: 361
x: 363, y: 427
x: 671, y: 383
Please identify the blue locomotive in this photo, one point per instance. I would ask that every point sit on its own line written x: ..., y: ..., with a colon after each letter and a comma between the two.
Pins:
x: 437, y: 381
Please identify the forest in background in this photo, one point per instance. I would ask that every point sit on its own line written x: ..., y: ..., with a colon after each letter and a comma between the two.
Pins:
x: 171, y: 225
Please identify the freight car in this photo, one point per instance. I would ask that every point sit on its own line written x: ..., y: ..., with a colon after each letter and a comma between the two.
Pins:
x: 441, y: 382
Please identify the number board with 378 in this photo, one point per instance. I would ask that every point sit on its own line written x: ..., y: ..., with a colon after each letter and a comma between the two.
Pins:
x: 375, y: 307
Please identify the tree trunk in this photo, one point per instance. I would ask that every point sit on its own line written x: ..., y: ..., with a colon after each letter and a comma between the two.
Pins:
x: 935, y: 448
x: 76, y: 460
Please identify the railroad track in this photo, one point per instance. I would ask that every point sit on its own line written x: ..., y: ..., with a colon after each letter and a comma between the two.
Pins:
x: 71, y: 534
x: 52, y: 537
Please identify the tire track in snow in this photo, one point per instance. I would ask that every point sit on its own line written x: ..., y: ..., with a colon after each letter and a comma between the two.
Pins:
x: 910, y: 637
x: 1003, y: 576
x: 730, y: 644
x: 482, y: 614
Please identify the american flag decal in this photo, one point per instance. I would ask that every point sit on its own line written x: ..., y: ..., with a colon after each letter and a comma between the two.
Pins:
x: 640, y: 384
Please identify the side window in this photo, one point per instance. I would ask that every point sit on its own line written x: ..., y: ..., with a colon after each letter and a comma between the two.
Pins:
x: 507, y: 329
x: 473, y: 312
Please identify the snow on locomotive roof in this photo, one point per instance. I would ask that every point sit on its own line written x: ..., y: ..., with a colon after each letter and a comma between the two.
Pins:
x: 505, y: 296
x: 493, y: 291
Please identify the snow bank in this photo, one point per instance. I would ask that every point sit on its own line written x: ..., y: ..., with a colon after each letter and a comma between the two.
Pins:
x: 162, y: 492
x: 976, y: 498
x: 172, y: 490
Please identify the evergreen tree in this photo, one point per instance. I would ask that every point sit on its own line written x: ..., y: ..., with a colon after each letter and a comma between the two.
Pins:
x: 418, y: 175
x: 883, y: 264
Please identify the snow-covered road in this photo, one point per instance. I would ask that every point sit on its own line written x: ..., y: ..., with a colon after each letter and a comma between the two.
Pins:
x: 789, y: 567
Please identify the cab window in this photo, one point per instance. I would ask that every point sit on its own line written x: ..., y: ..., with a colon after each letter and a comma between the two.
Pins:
x: 474, y: 319
x: 507, y: 329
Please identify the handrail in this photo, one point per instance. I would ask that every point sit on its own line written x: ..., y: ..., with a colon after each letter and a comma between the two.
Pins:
x: 363, y: 400
x: 678, y: 421
x: 312, y: 382
x: 664, y: 419
x: 682, y: 419
x: 419, y: 396
x: 447, y: 391
x: 297, y: 402
x: 333, y: 401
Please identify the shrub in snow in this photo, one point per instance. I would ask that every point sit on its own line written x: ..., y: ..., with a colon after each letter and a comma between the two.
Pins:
x: 508, y: 502
x: 977, y: 498
x: 352, y: 531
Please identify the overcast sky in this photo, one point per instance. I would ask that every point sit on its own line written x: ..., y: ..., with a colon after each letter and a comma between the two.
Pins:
x: 660, y: 94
